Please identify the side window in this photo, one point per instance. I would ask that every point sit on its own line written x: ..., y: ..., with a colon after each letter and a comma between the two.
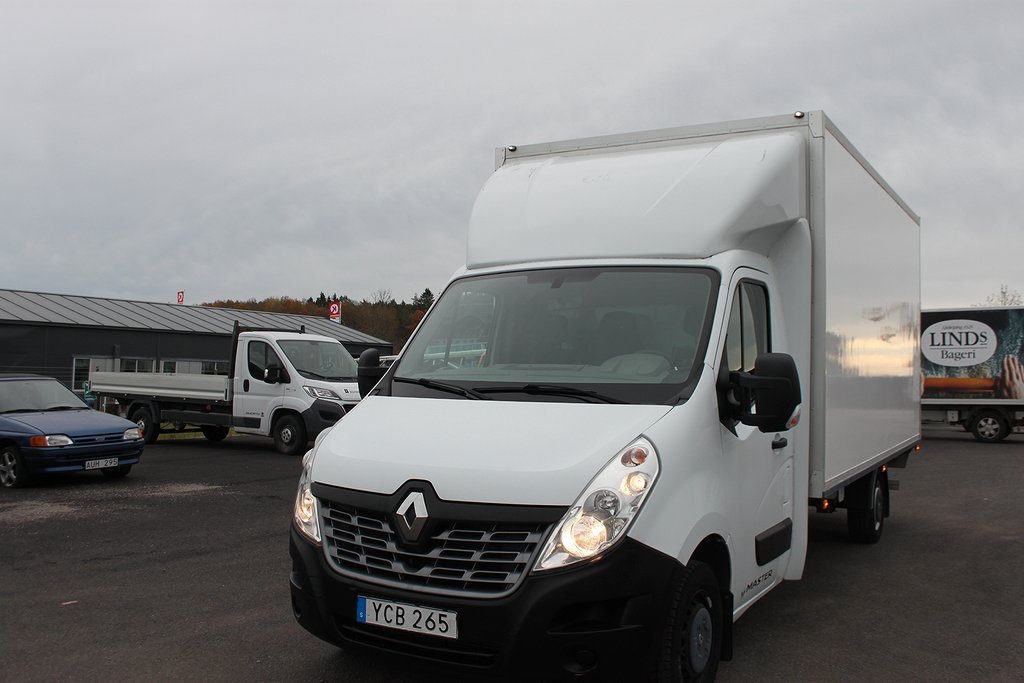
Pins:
x: 748, y: 334
x: 261, y: 357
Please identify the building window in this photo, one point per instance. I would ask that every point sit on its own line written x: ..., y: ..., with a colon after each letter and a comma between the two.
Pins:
x: 211, y: 367
x: 169, y: 366
x: 80, y: 374
x: 136, y: 365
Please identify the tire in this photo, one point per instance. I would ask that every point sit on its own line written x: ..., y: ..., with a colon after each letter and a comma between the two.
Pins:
x: 143, y: 418
x: 215, y: 432
x: 119, y: 472
x: 990, y: 426
x: 13, y: 473
x: 289, y: 435
x: 865, y: 525
x: 693, y: 635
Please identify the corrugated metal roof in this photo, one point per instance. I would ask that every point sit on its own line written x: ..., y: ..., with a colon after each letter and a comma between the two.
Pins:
x: 69, y: 309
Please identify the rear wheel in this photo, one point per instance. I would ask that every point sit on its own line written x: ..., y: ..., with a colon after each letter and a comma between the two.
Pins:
x: 215, y: 432
x: 693, y: 639
x: 865, y: 524
x: 289, y: 435
x: 143, y: 418
x: 990, y: 426
x: 13, y: 473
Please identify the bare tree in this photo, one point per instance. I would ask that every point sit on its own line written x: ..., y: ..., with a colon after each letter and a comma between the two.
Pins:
x: 1005, y: 297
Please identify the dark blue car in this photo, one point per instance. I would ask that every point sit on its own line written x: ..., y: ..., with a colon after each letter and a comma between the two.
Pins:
x: 45, y: 428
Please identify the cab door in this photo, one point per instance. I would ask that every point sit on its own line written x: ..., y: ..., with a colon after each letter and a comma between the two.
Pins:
x: 761, y: 463
x: 255, y: 396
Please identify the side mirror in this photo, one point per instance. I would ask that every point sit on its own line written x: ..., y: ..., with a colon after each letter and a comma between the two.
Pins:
x: 274, y: 375
x: 370, y: 371
x: 768, y: 398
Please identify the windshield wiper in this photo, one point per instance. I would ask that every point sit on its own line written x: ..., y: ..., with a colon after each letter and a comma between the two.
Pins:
x: 62, y: 408
x: 442, y: 386
x: 21, y: 410
x: 552, y: 390
x: 311, y: 375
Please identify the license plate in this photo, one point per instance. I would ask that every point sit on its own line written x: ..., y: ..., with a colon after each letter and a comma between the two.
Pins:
x: 403, y: 617
x: 100, y: 464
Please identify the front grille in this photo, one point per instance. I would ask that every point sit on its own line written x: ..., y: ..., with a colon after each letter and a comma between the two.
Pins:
x: 464, y: 556
x: 98, y: 438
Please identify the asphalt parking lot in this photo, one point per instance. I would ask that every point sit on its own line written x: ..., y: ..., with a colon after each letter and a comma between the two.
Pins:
x: 180, y: 572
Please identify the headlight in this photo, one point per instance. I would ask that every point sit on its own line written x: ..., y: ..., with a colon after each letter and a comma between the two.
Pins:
x: 600, y: 517
x: 319, y: 392
x: 50, y: 440
x: 307, y: 511
x: 132, y: 434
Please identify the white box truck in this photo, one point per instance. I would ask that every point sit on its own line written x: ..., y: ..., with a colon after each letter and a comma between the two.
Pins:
x: 602, y: 443
x: 973, y: 376
x: 285, y: 384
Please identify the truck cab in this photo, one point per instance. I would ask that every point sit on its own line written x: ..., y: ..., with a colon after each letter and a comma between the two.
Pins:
x: 291, y: 386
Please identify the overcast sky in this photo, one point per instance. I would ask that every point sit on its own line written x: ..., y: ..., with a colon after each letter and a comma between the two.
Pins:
x: 251, y: 149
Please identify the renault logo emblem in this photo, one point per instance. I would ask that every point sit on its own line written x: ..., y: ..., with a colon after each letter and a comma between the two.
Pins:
x: 411, y: 516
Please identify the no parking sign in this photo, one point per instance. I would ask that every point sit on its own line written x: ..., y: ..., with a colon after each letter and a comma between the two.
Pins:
x: 335, y: 310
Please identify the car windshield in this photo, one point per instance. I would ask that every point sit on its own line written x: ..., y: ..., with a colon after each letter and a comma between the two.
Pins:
x: 34, y: 395
x: 324, y: 360
x: 607, y: 335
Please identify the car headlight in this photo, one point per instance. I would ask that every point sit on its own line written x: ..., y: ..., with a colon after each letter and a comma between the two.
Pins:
x: 132, y: 434
x: 307, y: 510
x: 601, y: 515
x: 320, y: 392
x: 50, y: 440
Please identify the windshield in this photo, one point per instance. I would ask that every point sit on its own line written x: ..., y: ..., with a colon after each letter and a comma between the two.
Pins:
x: 320, y: 359
x: 33, y: 395
x: 632, y: 335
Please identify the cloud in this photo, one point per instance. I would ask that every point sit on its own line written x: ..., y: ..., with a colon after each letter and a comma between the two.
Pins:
x: 257, y: 149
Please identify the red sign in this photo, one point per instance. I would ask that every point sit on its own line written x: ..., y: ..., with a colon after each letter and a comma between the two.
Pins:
x: 335, y: 309
x: 181, y: 297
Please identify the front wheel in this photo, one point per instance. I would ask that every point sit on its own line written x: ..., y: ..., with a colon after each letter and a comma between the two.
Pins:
x: 289, y: 435
x: 13, y: 473
x: 990, y: 426
x: 143, y: 419
x: 693, y: 637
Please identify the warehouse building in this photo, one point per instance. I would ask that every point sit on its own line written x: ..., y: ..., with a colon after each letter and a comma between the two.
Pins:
x: 67, y: 337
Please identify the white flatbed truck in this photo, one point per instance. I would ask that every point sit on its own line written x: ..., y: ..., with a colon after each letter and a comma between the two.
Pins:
x: 288, y: 385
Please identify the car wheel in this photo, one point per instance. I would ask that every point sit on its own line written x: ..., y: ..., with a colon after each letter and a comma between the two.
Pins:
x: 119, y: 472
x: 865, y: 524
x: 990, y: 426
x: 214, y: 432
x: 13, y: 473
x: 289, y: 435
x: 693, y: 637
x: 143, y: 418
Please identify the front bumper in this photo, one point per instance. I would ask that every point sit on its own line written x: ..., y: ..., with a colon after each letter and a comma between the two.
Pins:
x: 588, y: 622
x: 323, y: 414
x: 53, y: 459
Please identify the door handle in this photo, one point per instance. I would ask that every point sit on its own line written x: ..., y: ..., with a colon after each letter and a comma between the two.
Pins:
x: 779, y: 442
x: 245, y: 385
